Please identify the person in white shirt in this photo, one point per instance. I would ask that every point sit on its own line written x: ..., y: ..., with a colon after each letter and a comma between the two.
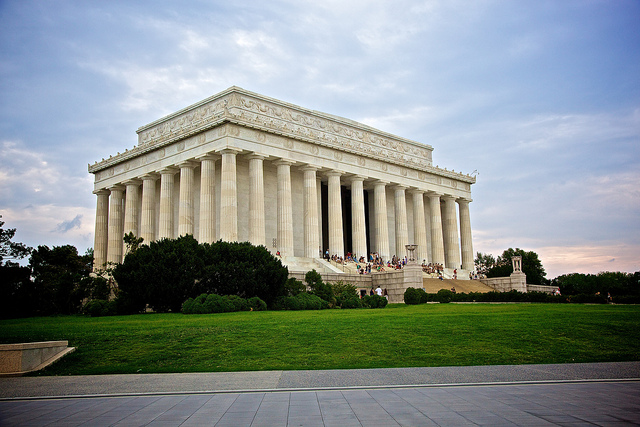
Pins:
x: 378, y: 291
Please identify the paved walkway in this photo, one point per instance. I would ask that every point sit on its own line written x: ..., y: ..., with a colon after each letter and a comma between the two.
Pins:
x: 571, y: 394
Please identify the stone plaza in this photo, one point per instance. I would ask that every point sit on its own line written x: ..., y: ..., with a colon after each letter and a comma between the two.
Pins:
x: 240, y: 166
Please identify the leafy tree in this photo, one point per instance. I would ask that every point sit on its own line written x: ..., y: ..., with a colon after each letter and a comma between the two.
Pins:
x: 166, y: 273
x: 484, y: 262
x: 531, y: 266
x: 132, y: 242
x: 319, y: 288
x: 61, y: 278
x: 11, y: 250
x: 615, y: 283
x: 163, y: 274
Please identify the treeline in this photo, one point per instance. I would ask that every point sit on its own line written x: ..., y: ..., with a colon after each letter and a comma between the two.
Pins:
x: 419, y: 296
x: 56, y: 281
x: 607, y: 282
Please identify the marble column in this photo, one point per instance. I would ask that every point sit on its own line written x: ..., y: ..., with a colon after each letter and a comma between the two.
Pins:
x: 185, y: 204
x: 256, y: 200
x: 437, y: 241
x: 165, y: 230
x: 101, y: 237
x: 207, y: 199
x: 336, y: 236
x: 465, y: 235
x: 427, y: 221
x: 358, y: 225
x: 419, y: 226
x: 148, y: 220
x: 402, y: 228
x: 381, y: 227
x: 311, y: 237
x: 450, y: 229
x: 285, y: 208
x: 116, y: 224
x: 131, y: 208
x: 228, y: 196
x: 321, y: 244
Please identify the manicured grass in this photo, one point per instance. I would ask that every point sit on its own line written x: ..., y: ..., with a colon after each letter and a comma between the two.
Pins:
x: 397, y: 336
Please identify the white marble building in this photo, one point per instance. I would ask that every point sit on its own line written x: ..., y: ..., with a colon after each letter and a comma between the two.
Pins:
x: 239, y: 166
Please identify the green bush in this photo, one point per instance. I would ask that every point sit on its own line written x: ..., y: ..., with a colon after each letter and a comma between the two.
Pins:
x: 412, y: 296
x: 256, y: 304
x: 98, y: 307
x: 346, y: 295
x: 303, y: 301
x: 444, y: 296
x: 374, y: 301
x: 213, y: 303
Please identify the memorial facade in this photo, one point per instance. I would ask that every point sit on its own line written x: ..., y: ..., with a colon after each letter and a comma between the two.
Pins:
x: 240, y: 166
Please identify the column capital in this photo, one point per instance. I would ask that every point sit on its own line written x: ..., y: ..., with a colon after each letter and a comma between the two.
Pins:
x: 448, y: 197
x: 208, y: 156
x: 187, y: 164
x: 356, y: 178
x: 283, y: 162
x: 434, y: 194
x: 102, y: 191
x: 380, y: 182
x: 399, y: 187
x: 462, y: 200
x: 117, y: 187
x: 149, y: 177
x: 169, y: 170
x: 229, y: 150
x: 416, y: 191
x: 309, y: 168
x: 333, y: 173
x: 256, y: 156
x: 134, y: 181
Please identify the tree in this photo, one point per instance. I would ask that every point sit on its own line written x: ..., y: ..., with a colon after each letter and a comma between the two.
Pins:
x: 531, y: 266
x: 484, y: 262
x: 11, y: 250
x: 166, y: 273
x: 61, y: 278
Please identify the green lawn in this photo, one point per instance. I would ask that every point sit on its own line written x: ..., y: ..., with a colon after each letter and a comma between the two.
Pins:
x: 397, y: 336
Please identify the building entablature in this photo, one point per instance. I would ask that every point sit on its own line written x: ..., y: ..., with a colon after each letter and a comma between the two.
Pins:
x: 236, y: 108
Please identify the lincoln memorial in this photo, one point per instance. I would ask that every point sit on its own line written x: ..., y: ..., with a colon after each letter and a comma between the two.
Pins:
x: 240, y: 166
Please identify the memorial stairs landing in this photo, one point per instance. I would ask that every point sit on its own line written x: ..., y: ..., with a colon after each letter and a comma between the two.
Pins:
x: 432, y: 286
x: 303, y: 265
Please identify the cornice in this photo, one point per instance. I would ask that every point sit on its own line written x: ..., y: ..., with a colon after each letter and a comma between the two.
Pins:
x: 244, y: 108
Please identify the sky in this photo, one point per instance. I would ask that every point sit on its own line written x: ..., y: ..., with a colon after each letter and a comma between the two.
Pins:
x: 540, y: 98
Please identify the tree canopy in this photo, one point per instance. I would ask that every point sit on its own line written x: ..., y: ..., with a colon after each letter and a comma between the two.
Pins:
x: 165, y: 273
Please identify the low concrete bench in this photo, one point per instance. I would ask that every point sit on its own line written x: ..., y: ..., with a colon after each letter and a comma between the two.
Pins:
x: 18, y: 359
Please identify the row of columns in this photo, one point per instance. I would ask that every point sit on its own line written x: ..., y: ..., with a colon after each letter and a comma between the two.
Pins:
x: 111, y: 224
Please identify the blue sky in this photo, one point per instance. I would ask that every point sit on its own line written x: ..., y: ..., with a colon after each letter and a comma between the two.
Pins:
x: 542, y: 98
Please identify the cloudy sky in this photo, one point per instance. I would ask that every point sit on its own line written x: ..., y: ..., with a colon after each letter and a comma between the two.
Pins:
x: 542, y: 98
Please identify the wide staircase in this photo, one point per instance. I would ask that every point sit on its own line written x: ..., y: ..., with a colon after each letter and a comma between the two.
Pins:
x: 432, y: 286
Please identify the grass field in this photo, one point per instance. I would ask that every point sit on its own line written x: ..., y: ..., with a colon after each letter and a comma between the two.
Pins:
x: 397, y: 336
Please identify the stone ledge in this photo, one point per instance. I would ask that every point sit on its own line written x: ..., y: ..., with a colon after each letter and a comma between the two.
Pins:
x: 18, y: 359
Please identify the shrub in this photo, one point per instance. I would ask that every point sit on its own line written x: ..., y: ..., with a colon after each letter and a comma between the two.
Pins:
x: 444, y: 296
x: 98, y: 307
x: 412, y: 296
x: 256, y: 304
x: 293, y: 287
x: 346, y: 295
x: 303, y: 301
x: 319, y: 288
x: 374, y: 301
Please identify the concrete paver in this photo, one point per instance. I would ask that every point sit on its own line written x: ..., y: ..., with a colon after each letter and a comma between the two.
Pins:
x: 575, y: 394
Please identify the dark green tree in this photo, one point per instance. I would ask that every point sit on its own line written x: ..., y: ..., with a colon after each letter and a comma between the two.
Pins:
x: 163, y: 274
x: 61, y: 278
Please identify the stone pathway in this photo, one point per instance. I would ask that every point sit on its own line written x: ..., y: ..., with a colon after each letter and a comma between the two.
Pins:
x: 574, y: 394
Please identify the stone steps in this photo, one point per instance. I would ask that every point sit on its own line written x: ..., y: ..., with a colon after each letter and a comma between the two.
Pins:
x: 432, y: 286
